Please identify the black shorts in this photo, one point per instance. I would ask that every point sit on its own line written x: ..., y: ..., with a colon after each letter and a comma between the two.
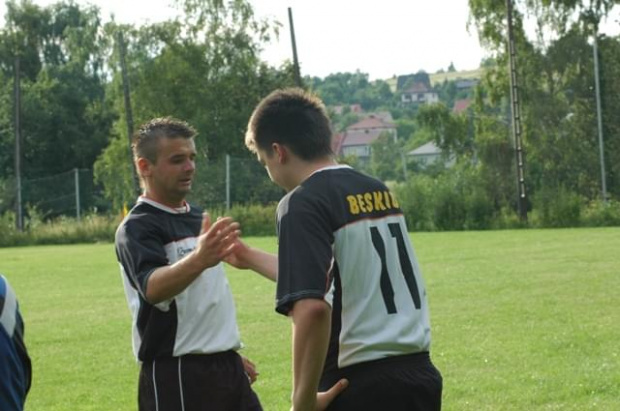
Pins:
x: 214, y: 382
x: 402, y: 383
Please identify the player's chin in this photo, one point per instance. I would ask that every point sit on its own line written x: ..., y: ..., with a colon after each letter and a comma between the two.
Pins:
x: 185, y: 186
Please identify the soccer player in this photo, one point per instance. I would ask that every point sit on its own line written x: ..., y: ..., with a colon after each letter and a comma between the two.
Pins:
x: 185, y: 332
x: 15, y: 366
x: 346, y: 271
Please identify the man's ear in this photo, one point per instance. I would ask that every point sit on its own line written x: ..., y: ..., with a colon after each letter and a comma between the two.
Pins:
x: 281, y: 152
x: 144, y: 166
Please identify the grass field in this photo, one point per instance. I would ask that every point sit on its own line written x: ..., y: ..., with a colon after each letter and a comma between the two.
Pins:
x: 522, y: 320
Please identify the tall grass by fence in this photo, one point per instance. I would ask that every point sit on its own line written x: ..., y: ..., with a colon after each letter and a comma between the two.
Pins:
x: 255, y: 220
x: 259, y: 220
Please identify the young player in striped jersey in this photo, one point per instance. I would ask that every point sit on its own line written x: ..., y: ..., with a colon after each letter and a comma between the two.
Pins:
x: 346, y: 271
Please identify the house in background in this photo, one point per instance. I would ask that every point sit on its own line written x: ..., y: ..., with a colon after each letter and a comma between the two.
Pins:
x: 466, y: 84
x: 429, y: 154
x: 356, y: 140
x: 419, y: 93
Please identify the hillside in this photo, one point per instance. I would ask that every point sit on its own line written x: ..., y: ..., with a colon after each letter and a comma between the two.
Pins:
x: 438, y: 78
x: 466, y: 74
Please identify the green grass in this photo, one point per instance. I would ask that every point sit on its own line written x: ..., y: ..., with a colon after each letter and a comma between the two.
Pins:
x: 522, y: 320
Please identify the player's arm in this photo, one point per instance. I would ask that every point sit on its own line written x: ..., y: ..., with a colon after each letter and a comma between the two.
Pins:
x: 214, y: 243
x: 246, y: 257
x: 311, y: 329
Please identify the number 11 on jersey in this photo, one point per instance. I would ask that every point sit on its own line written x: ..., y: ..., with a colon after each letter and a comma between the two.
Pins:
x: 405, y: 264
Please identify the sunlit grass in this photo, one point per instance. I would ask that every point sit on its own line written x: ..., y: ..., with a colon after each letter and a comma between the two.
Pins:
x: 522, y: 320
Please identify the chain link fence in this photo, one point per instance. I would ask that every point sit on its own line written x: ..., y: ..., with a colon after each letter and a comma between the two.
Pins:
x: 219, y: 184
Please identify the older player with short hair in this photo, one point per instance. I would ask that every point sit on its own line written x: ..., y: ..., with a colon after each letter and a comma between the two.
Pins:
x: 185, y: 333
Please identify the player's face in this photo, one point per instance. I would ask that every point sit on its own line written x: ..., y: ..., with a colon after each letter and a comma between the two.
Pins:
x: 271, y: 164
x: 170, y: 178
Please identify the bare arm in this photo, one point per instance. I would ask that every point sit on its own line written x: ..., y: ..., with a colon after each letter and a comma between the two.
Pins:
x: 246, y: 257
x: 311, y: 328
x: 214, y: 243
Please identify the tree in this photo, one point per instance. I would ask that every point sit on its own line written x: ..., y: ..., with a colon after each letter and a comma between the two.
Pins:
x: 449, y: 132
x: 204, y: 68
x: 556, y: 88
x: 386, y: 158
x: 65, y: 118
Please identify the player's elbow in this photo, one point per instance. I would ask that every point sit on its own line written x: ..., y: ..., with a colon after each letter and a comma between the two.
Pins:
x: 312, y: 308
x: 155, y: 291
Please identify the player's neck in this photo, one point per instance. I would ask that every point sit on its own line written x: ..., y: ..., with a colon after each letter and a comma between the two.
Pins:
x: 304, y: 169
x: 164, y: 200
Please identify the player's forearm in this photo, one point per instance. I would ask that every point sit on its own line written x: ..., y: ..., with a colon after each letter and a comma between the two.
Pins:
x: 168, y: 281
x: 312, y: 320
x: 266, y: 264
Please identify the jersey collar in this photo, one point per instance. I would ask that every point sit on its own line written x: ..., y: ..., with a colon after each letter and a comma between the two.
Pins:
x: 326, y: 168
x: 178, y: 210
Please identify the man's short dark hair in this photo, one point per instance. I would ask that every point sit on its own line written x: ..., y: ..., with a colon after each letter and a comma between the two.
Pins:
x: 145, y: 139
x: 294, y: 118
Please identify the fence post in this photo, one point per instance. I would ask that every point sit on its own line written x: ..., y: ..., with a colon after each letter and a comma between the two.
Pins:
x: 19, y: 215
x: 77, y: 193
x: 227, y: 182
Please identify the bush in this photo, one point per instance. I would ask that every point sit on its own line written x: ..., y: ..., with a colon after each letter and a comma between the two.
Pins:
x: 600, y: 214
x: 507, y: 218
x: 480, y: 211
x: 416, y: 200
x: 450, y: 210
x: 255, y: 220
x: 556, y: 207
x: 91, y: 228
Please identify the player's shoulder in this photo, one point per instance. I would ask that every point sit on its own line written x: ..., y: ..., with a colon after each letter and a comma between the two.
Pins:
x: 343, y: 180
x: 141, y: 217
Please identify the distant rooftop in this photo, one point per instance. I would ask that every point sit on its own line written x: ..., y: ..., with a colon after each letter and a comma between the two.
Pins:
x: 429, y: 148
x: 461, y: 105
x: 371, y: 122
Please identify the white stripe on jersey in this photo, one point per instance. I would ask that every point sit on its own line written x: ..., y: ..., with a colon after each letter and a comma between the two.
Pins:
x: 9, y: 311
x: 368, y: 331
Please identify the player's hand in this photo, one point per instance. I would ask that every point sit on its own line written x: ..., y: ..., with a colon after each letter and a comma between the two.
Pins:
x: 237, y: 258
x: 323, y: 399
x: 217, y: 240
x: 250, y: 369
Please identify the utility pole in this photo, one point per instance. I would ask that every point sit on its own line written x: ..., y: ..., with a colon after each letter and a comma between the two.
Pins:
x: 128, y: 111
x: 515, y: 105
x: 19, y: 221
x: 599, y: 115
x: 297, y: 72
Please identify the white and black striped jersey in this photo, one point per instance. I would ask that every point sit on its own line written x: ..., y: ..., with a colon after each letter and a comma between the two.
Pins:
x: 15, y: 365
x: 199, y: 320
x: 343, y: 238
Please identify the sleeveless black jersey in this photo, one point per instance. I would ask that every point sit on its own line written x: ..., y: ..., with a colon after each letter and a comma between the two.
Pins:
x: 343, y: 238
x: 199, y: 320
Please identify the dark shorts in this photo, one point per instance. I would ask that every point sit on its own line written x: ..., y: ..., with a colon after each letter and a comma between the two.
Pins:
x: 402, y: 383
x: 214, y: 382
